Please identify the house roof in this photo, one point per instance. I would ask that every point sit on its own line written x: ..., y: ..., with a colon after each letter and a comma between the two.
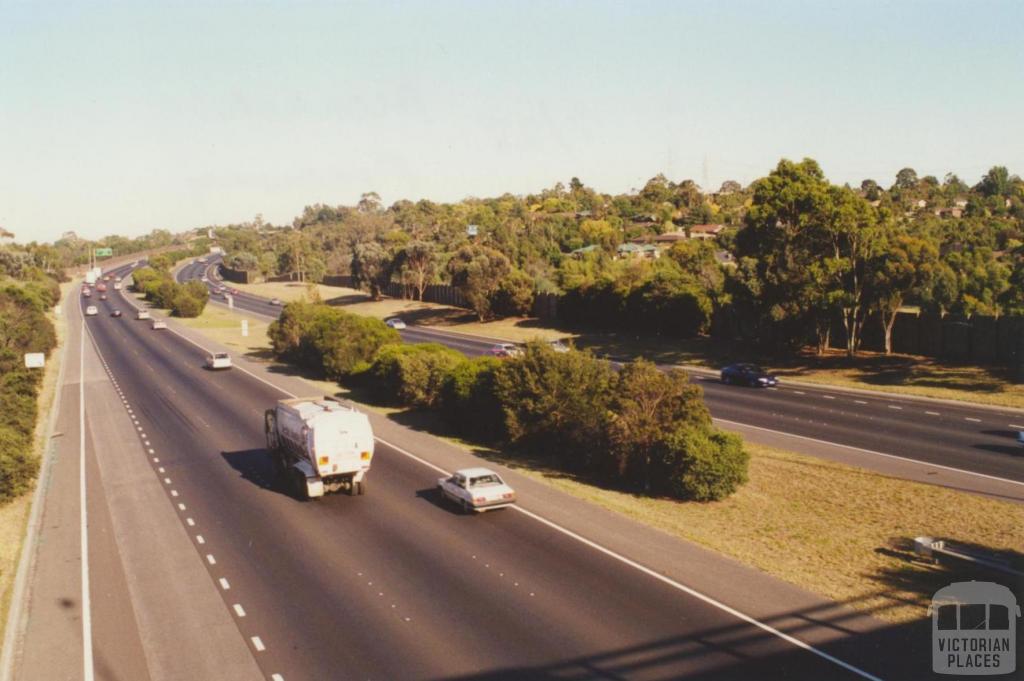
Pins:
x: 706, y: 229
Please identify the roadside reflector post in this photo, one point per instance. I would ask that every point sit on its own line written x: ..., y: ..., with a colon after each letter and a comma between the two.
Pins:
x: 231, y: 302
x: 245, y: 327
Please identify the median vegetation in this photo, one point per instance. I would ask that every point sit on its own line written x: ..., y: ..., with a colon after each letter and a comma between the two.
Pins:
x: 637, y: 429
x: 183, y: 300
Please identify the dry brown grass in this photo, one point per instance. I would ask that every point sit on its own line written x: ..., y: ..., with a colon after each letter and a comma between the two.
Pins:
x: 842, y: 532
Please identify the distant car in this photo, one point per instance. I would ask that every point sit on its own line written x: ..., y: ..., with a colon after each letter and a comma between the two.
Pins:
x: 202, y: 260
x: 91, y: 311
x: 86, y: 293
x: 103, y: 296
x: 476, y: 490
x: 234, y: 291
x: 275, y: 301
x: 115, y: 313
x: 117, y: 286
x: 395, y: 323
x: 218, y: 360
x: 118, y: 278
x: 159, y: 324
x: 142, y: 314
x: 505, y: 350
x: 1020, y: 437
x: 749, y: 375
x: 559, y: 346
x: 204, y: 279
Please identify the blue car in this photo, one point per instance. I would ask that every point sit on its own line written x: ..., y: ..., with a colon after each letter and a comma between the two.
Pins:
x: 748, y: 374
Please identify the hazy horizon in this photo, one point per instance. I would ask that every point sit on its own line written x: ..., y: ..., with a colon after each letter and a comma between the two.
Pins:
x: 118, y: 119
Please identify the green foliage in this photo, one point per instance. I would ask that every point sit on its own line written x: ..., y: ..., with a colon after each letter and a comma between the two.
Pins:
x: 327, y: 340
x: 478, y: 273
x: 18, y: 465
x: 556, y: 403
x: 24, y: 328
x: 515, y: 295
x: 414, y: 374
x: 705, y: 464
x: 468, y: 399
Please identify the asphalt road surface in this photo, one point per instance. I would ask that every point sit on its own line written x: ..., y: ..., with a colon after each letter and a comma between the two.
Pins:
x: 394, y: 584
x: 938, y: 435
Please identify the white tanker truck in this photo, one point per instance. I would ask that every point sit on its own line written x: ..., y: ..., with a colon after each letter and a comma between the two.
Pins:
x: 319, y: 445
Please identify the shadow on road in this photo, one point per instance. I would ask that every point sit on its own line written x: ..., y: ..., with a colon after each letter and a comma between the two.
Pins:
x: 256, y: 466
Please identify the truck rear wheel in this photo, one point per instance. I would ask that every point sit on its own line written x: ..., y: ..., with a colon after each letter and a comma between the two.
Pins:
x: 357, y: 489
x: 298, y: 481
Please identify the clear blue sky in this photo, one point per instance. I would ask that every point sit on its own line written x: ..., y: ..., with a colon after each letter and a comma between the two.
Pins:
x: 124, y: 117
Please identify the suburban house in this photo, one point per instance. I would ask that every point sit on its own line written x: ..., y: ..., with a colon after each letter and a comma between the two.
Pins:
x: 580, y: 252
x: 952, y: 212
x: 706, y: 232
x: 638, y: 251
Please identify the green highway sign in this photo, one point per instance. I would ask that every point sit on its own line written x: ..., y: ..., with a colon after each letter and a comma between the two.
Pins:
x: 103, y: 252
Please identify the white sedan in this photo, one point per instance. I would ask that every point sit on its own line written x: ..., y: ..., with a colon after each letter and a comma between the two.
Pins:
x: 218, y: 360
x: 395, y: 323
x: 91, y: 311
x: 159, y: 324
x: 142, y: 314
x: 476, y: 489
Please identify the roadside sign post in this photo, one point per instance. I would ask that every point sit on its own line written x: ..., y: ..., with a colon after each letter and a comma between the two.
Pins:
x: 35, y: 360
x: 231, y: 302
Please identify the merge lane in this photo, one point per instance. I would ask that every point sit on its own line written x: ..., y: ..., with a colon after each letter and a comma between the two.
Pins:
x: 300, y: 564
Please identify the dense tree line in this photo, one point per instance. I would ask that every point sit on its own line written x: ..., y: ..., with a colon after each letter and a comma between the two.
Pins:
x: 809, y: 255
x: 639, y: 429
x: 26, y: 293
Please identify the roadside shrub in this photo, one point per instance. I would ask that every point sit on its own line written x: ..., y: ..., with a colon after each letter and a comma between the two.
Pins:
x: 18, y: 465
x: 327, y: 340
x: 23, y: 327
x: 352, y: 343
x: 515, y: 295
x: 414, y: 374
x: 705, y: 464
x: 556, y: 402
x: 468, y: 400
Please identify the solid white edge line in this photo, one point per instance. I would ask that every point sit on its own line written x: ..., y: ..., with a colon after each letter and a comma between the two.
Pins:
x: 87, y: 658
x: 662, y: 578
x: 873, y: 452
x: 698, y: 595
x: 609, y: 552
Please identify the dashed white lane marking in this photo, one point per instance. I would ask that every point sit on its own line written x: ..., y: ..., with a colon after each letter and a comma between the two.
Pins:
x: 161, y: 469
x: 167, y: 481
x: 258, y: 644
x: 860, y: 401
x: 152, y: 451
x: 199, y: 539
x: 224, y: 584
x: 933, y: 413
x: 191, y: 523
x: 799, y: 392
x: 210, y: 559
x: 894, y: 406
x: 181, y: 507
x: 174, y: 492
x: 239, y: 610
x: 276, y: 677
x: 1016, y: 425
x: 736, y: 613
x: 972, y: 419
x: 829, y: 397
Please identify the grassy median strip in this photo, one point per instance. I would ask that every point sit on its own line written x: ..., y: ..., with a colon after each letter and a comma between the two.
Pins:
x: 843, y: 532
x: 14, y: 515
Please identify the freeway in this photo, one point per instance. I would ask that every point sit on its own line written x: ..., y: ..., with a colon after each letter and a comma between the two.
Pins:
x: 392, y: 585
x: 927, y: 439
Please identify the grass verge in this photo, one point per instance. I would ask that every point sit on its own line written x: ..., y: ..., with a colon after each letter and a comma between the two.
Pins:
x: 839, y: 531
x: 14, y: 515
